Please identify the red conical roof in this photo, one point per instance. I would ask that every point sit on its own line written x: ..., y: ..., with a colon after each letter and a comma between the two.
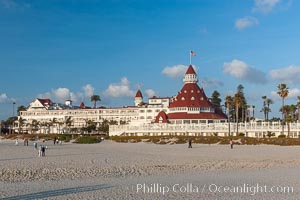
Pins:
x: 139, y: 94
x: 190, y: 70
x: 191, y: 95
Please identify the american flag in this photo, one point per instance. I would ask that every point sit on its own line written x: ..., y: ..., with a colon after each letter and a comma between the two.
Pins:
x: 193, y: 53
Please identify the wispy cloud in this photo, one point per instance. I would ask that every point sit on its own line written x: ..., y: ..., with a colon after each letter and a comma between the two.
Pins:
x: 12, y: 4
x: 150, y: 93
x: 61, y: 94
x: 288, y: 74
x: 211, y: 83
x: 3, y: 98
x: 243, y: 71
x: 122, y: 89
x: 265, y: 6
x: 175, y: 71
x: 245, y: 22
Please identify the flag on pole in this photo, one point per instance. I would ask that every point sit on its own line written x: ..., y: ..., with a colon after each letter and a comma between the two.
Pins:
x: 193, y: 53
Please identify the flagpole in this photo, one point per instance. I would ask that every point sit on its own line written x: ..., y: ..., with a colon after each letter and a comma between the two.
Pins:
x: 190, y: 57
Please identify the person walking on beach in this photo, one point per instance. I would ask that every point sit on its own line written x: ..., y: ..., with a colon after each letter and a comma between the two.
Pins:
x: 40, y: 151
x: 190, y: 143
x: 231, y: 144
x: 17, y: 142
x: 35, y: 145
x: 43, y: 150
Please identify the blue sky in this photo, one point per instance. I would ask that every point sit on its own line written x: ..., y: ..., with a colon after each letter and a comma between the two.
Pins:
x: 72, y: 49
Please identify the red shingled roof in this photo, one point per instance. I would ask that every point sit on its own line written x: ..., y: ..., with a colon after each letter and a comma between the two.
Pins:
x: 45, y: 102
x: 190, y: 70
x: 191, y: 95
x: 139, y: 94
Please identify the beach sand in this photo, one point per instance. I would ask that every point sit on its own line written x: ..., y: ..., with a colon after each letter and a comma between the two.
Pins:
x: 111, y: 170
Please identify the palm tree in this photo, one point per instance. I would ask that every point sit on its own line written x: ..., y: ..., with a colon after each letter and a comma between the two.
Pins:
x: 238, y: 100
x: 229, y: 104
x: 68, y: 123
x: 264, y: 109
x: 21, y: 124
x: 269, y: 101
x: 95, y: 98
x: 21, y: 108
x: 298, y: 105
x: 253, y: 108
x: 283, y: 92
x: 33, y: 126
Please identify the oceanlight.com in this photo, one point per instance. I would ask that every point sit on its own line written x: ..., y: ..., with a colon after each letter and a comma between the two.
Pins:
x: 251, y: 189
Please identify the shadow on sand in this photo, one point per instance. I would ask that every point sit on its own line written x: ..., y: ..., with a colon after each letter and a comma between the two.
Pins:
x: 54, y: 193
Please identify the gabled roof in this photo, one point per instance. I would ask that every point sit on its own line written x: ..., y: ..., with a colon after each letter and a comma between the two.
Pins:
x: 139, y: 94
x: 45, y: 102
x: 190, y: 70
x: 161, y: 117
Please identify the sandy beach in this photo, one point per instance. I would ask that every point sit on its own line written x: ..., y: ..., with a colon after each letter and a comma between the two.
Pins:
x: 111, y: 170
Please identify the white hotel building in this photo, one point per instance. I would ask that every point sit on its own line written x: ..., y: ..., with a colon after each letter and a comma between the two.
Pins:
x: 190, y: 112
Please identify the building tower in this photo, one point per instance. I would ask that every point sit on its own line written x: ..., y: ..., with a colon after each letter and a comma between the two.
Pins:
x: 138, y: 98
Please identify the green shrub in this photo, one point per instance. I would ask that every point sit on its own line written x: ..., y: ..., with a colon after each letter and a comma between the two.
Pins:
x: 281, y: 136
x: 87, y: 140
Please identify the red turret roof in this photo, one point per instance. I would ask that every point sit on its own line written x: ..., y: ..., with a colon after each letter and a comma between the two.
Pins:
x: 139, y: 94
x: 82, y: 105
x: 190, y: 70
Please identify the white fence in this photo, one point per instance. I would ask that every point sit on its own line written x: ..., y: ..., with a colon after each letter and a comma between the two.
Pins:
x: 249, y: 129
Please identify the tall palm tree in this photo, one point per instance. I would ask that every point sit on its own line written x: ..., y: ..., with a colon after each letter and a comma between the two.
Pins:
x: 298, y: 105
x: 253, y: 108
x: 283, y: 92
x: 238, y: 100
x: 229, y: 104
x: 269, y: 101
x: 95, y: 98
x: 264, y: 109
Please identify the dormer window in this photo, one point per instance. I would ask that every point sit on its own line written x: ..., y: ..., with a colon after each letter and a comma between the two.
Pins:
x: 201, y: 98
x: 192, y: 98
x: 182, y: 98
x: 192, y: 91
x: 185, y: 91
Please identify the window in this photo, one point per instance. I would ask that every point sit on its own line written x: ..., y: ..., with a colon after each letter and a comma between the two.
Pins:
x: 182, y: 98
x: 192, y: 98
